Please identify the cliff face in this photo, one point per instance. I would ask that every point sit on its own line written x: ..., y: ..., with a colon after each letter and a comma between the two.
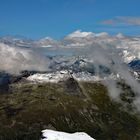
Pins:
x: 68, y: 106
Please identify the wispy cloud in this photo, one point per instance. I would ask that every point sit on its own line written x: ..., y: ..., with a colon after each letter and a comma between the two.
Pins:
x: 15, y: 59
x: 122, y: 20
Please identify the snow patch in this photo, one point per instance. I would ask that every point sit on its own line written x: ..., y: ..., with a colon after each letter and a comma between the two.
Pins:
x: 49, y: 77
x: 55, y: 135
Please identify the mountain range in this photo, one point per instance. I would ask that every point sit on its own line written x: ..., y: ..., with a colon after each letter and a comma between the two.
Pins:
x: 86, y: 82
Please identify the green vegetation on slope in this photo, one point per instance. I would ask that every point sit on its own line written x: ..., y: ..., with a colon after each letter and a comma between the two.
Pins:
x: 67, y: 106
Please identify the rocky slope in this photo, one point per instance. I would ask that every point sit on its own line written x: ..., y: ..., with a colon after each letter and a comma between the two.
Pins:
x: 68, y: 106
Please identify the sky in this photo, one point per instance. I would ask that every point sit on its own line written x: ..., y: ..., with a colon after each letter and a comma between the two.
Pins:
x: 56, y: 18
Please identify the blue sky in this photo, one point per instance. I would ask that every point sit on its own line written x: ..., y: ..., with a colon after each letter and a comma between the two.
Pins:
x: 56, y: 18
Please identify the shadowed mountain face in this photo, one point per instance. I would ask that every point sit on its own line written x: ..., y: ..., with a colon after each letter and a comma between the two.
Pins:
x: 67, y: 106
x: 135, y: 64
x: 7, y: 79
x: 4, y: 83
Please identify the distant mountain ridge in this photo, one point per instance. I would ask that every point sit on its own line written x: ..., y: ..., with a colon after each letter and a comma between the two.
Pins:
x: 80, y: 52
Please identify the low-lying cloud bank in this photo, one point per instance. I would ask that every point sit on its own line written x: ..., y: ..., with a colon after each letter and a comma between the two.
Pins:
x: 106, y: 54
x: 14, y: 59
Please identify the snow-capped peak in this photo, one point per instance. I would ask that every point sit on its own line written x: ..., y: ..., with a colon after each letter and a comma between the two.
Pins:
x: 120, y: 35
x: 49, y: 77
x: 102, y: 34
x: 47, y: 38
x: 46, y: 42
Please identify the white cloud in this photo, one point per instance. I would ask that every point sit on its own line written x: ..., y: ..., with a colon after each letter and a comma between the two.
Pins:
x: 14, y: 59
x: 122, y: 20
